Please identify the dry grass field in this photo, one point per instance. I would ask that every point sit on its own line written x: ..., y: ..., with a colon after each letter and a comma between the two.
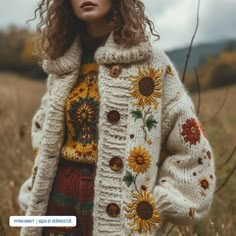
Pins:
x: 20, y: 97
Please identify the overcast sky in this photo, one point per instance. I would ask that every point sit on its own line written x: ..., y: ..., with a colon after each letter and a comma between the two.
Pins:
x: 175, y: 19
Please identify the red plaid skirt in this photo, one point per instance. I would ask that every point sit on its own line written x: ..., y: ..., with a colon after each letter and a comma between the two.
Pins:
x: 72, y: 195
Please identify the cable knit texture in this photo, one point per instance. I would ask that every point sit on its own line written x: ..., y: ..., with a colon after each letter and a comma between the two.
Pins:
x: 164, y: 167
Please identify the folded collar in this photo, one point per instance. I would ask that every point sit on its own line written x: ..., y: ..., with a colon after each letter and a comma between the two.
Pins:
x: 110, y: 53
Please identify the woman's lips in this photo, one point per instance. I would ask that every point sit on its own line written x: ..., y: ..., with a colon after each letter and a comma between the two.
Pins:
x: 88, y: 4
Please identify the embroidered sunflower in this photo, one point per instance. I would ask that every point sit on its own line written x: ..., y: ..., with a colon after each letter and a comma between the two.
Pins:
x: 146, y: 87
x: 143, y: 213
x: 139, y: 159
x: 191, y: 131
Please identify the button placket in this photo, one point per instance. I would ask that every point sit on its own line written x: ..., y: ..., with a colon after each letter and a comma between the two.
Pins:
x: 115, y: 163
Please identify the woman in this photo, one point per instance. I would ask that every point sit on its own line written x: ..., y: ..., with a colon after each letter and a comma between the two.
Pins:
x: 116, y: 138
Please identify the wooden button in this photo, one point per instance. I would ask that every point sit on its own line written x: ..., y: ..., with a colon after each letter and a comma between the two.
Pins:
x: 113, y: 210
x: 115, y: 70
x: 113, y: 116
x: 116, y: 164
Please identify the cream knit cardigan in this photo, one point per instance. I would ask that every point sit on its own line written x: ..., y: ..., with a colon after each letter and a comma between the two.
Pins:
x: 179, y: 177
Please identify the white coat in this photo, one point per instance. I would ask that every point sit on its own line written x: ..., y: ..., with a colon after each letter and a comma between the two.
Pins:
x: 168, y: 169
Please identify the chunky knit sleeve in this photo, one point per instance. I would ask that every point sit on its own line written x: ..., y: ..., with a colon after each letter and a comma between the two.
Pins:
x: 36, y: 135
x: 186, y: 180
x: 39, y: 117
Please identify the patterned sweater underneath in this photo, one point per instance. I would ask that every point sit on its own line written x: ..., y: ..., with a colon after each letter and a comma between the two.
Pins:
x: 82, y: 109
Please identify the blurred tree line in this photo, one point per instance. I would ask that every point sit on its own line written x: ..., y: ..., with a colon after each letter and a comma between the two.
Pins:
x: 215, y: 71
x: 16, y: 54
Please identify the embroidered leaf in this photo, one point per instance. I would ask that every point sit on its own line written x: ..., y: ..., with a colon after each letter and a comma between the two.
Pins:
x: 128, y: 178
x: 137, y: 114
x: 151, y: 122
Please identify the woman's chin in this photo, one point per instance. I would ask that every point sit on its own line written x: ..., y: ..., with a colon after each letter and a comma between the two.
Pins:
x: 90, y: 16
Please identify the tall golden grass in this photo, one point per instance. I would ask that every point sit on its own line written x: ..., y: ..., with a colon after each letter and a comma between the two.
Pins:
x: 19, y: 99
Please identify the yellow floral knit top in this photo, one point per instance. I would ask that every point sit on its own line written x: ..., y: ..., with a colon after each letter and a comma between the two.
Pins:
x: 82, y: 110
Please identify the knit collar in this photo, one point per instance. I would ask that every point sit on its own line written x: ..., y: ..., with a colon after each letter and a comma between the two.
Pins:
x: 110, y: 53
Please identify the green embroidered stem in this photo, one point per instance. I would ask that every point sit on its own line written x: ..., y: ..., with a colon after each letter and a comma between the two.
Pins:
x: 144, y: 123
x: 147, y: 119
x: 135, y: 183
x: 129, y: 179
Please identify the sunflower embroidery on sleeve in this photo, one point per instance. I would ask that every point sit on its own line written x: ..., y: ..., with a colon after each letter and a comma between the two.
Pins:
x: 147, y: 87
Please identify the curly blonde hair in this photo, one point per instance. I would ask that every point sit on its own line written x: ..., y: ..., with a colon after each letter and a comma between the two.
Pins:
x: 59, y: 26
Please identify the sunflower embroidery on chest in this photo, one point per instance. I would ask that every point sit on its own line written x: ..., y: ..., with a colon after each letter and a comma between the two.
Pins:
x: 142, y: 210
x: 82, y: 110
x: 142, y: 213
x: 146, y: 89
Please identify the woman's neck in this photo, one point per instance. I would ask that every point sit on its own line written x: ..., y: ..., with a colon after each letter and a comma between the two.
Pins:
x: 91, y: 43
x: 97, y: 28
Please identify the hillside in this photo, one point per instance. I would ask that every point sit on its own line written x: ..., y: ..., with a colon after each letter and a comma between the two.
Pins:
x: 199, y: 53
